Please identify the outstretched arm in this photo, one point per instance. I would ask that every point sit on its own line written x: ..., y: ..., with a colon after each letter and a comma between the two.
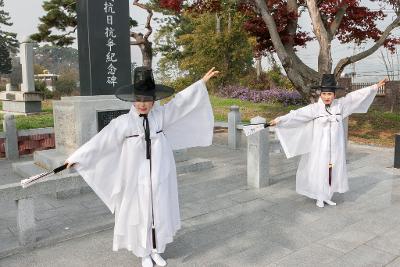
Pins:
x: 360, y: 100
x: 188, y: 100
x: 102, y: 142
x: 294, y: 118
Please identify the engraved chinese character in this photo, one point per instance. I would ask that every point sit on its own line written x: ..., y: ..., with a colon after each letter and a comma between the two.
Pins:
x: 111, y: 69
x: 110, y: 32
x: 109, y: 19
x: 110, y: 57
x: 109, y: 8
x: 112, y: 80
x: 110, y: 43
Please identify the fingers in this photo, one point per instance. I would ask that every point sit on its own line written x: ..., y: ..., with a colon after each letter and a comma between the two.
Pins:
x: 382, y: 82
x: 69, y: 164
x: 273, y: 122
x: 211, y: 73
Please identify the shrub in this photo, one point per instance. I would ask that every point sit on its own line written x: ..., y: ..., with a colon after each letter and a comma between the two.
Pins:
x: 272, y: 95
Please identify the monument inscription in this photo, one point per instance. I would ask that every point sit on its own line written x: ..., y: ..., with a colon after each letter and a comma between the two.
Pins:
x: 104, y: 46
x: 104, y: 117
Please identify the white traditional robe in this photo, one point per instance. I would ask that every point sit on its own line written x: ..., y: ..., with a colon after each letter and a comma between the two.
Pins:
x: 319, y: 137
x: 116, y: 168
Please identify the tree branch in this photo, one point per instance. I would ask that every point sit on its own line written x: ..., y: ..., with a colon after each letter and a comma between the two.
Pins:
x: 338, y: 19
x: 318, y: 24
x: 283, y: 54
x: 298, y: 72
x: 138, y: 37
x: 149, y: 16
x: 357, y: 57
x: 292, y: 7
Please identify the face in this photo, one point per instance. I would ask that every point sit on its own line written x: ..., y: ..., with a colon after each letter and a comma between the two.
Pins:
x: 327, y: 97
x: 143, y: 107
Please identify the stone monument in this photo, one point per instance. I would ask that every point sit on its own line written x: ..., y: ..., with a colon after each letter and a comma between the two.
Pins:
x: 26, y: 101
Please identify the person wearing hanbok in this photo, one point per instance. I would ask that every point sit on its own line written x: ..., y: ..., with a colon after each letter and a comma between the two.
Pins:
x: 316, y: 132
x: 130, y: 164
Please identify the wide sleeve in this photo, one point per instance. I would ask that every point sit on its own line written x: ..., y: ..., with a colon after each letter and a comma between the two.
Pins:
x: 358, y: 101
x: 295, y: 131
x: 97, y: 162
x: 188, y: 118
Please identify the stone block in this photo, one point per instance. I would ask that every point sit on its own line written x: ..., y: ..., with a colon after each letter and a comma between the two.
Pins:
x: 11, y: 143
x: 258, y: 157
x: 26, y: 222
x: 234, y: 136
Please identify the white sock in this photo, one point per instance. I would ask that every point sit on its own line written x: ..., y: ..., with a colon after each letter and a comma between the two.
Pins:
x: 330, y: 202
x: 320, y: 203
x: 158, y: 259
x: 147, y: 262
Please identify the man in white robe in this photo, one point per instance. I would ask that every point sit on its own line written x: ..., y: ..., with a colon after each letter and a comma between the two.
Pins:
x: 130, y: 164
x: 316, y: 133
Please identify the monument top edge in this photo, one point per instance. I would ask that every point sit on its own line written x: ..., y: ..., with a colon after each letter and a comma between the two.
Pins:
x: 89, y: 98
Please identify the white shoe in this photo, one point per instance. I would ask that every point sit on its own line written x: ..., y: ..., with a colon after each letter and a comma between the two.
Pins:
x: 320, y: 204
x: 158, y: 259
x: 330, y: 203
x: 147, y: 262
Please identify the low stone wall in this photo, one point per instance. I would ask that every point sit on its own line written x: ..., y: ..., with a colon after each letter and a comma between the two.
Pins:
x: 31, y: 140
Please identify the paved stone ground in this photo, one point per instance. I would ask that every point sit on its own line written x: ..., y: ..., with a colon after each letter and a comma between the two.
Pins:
x: 227, y: 224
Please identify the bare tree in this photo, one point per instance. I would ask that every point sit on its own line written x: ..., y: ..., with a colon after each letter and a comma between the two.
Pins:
x: 142, y: 40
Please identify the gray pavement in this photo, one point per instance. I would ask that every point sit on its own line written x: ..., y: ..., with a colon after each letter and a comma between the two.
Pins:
x: 227, y: 224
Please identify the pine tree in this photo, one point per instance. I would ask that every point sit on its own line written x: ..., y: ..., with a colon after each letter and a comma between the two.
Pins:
x: 8, y: 41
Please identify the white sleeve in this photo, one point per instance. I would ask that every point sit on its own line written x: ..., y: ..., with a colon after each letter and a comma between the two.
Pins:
x: 358, y: 101
x: 97, y: 162
x: 188, y: 118
x: 295, y: 131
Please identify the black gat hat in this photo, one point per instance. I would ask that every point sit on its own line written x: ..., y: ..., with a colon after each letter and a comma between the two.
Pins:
x: 328, y: 84
x: 143, y: 87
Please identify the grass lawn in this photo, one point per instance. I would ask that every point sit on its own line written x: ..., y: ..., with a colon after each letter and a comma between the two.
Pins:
x: 375, y: 127
x: 44, y: 119
x: 247, y: 109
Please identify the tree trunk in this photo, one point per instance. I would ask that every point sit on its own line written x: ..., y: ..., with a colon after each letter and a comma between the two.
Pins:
x: 217, y: 23
x: 147, y: 54
x: 258, y: 67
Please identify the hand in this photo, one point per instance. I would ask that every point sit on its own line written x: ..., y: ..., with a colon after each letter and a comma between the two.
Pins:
x: 382, y: 82
x: 274, y: 122
x: 211, y: 73
x: 69, y: 164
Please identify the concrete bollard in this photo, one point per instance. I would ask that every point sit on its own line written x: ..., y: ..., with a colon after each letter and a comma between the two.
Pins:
x: 258, y: 157
x: 397, y: 151
x: 26, y: 222
x: 233, y: 133
x: 11, y: 144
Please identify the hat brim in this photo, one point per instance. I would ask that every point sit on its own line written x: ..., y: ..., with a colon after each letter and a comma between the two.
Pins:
x: 327, y: 88
x: 129, y: 93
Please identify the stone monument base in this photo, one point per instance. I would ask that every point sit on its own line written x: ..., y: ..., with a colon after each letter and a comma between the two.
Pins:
x: 25, y: 103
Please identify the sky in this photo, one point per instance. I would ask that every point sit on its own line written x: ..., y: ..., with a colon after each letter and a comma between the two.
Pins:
x: 370, y: 69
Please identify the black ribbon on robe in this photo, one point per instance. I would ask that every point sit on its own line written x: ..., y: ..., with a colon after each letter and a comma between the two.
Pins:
x: 148, y: 156
x: 146, y: 135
